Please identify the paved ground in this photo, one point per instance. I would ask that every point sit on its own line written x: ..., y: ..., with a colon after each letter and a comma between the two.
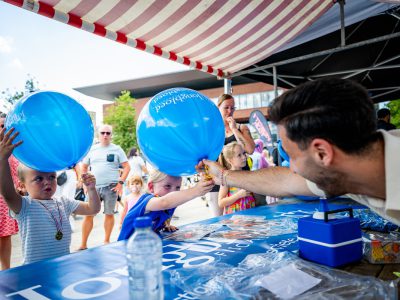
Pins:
x: 189, y: 212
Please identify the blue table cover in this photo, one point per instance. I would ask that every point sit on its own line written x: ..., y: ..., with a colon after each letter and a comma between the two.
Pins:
x: 101, y: 272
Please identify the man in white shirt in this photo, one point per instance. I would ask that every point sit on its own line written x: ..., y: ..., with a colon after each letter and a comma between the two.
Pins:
x: 104, y: 160
x: 328, y: 129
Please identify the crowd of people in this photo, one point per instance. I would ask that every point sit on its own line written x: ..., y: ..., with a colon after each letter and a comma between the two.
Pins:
x: 327, y: 128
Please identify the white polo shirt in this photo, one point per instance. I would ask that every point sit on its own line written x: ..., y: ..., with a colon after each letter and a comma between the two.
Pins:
x: 389, y: 209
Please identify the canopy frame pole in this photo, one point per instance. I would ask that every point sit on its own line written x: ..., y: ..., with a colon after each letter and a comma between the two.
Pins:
x: 320, y: 53
x: 342, y: 25
x: 269, y: 74
x: 383, y: 88
x: 376, y: 65
x: 342, y: 32
x: 279, y: 77
x: 228, y: 86
x: 348, y: 36
x: 385, y: 93
x: 274, y: 72
x: 380, y: 53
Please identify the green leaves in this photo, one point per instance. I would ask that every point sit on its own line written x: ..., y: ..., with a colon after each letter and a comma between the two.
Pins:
x: 394, y: 107
x: 121, y: 116
x: 30, y: 86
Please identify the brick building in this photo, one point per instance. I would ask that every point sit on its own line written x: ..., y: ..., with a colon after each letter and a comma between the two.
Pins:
x: 249, y: 94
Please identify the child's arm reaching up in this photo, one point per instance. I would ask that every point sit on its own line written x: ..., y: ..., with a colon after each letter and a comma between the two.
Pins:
x: 7, y: 189
x: 91, y: 207
x: 174, y: 199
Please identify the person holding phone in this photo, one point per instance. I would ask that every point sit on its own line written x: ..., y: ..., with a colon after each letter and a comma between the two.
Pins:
x: 104, y: 160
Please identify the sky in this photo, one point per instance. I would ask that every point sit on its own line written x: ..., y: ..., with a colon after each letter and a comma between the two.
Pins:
x: 62, y: 57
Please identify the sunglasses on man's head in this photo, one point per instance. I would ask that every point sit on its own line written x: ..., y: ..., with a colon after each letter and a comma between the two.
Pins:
x: 105, y: 133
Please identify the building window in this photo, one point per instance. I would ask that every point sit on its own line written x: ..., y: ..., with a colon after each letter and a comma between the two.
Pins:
x: 254, y: 100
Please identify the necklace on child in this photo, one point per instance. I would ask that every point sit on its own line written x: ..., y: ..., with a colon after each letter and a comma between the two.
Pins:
x: 59, y: 234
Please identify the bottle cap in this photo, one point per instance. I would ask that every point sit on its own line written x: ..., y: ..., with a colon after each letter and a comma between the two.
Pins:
x: 319, y: 215
x: 141, y: 222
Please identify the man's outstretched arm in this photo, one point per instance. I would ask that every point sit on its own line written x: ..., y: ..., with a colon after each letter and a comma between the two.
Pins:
x: 276, y: 181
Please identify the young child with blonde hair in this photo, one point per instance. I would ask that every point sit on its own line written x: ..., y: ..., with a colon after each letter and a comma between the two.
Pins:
x: 164, y: 195
x: 135, y: 186
x: 230, y: 198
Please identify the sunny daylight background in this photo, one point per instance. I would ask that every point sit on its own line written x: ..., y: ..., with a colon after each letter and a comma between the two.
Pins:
x: 60, y: 57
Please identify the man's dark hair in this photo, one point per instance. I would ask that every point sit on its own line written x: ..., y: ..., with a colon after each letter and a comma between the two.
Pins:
x: 382, y: 113
x: 336, y: 110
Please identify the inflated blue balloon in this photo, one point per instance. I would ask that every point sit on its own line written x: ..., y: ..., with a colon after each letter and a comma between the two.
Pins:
x: 56, y: 130
x: 179, y: 127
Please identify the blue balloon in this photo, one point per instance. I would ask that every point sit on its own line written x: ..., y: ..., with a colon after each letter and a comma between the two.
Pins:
x: 179, y: 127
x: 57, y: 131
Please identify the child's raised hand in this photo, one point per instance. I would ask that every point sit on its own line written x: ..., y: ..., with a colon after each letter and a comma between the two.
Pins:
x: 6, y: 143
x: 204, y: 185
x: 170, y: 228
x: 89, y: 180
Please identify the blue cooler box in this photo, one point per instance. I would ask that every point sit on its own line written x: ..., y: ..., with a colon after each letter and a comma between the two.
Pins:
x: 331, y: 242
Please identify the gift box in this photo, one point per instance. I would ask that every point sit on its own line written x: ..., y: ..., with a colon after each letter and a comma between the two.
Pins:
x: 330, y: 241
x: 382, y: 248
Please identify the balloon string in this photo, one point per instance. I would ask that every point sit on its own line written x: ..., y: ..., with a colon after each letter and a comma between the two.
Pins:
x: 207, y: 173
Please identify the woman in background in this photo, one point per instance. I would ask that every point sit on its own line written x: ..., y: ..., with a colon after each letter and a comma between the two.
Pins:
x: 233, y: 132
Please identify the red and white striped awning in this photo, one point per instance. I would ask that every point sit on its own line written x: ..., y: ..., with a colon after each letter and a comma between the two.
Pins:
x: 216, y: 36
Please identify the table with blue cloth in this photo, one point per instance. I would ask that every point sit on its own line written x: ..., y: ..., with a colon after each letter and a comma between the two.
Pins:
x: 101, y: 272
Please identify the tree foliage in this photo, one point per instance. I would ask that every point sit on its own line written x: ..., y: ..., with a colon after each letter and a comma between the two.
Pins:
x: 394, y: 107
x: 121, y: 116
x: 31, y: 85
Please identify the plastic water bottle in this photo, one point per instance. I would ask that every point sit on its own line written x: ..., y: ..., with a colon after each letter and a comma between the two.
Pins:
x: 144, y: 255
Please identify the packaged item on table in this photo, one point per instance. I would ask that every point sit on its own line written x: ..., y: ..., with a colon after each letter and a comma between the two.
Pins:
x: 369, y: 220
x: 276, y: 226
x: 382, y: 248
x: 280, y: 275
x: 191, y: 232
x: 244, y: 221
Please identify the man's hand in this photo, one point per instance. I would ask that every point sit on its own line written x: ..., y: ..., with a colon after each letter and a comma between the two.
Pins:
x: 117, y: 188
x: 6, y: 143
x: 211, y: 168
